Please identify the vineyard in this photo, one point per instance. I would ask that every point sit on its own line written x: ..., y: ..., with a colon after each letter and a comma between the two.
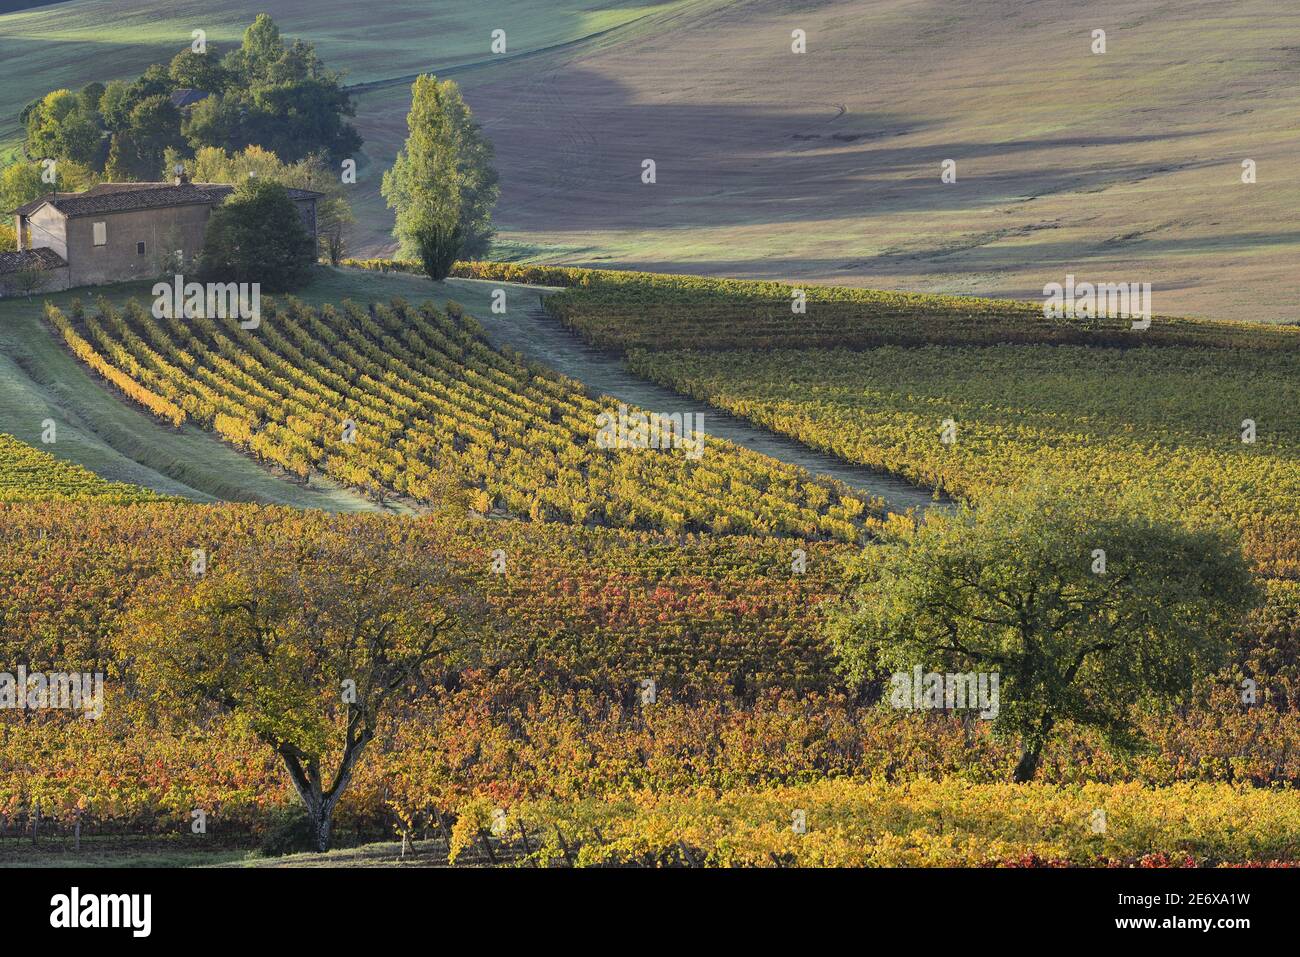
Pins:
x: 1198, y: 413
x: 414, y: 403
x: 29, y: 475
x: 924, y: 824
x: 649, y: 311
x: 621, y: 311
x: 432, y: 438
x: 604, y: 573
x: 748, y: 696
x: 1093, y: 419
x: 602, y: 608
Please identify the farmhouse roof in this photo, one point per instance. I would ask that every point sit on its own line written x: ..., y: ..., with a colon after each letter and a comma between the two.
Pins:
x: 27, y: 258
x: 128, y: 197
x: 186, y: 97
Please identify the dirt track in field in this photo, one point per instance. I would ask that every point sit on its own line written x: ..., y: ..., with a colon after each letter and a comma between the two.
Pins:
x: 825, y: 166
x: 527, y: 327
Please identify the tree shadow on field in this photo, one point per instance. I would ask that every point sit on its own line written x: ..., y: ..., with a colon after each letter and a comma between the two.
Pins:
x: 570, y: 148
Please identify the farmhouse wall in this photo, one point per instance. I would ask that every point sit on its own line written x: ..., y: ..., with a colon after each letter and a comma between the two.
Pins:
x: 135, y: 243
x: 56, y: 280
x: 162, y: 231
x: 45, y: 227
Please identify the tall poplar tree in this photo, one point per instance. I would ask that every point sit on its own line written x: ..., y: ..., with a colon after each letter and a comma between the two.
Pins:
x: 442, y: 185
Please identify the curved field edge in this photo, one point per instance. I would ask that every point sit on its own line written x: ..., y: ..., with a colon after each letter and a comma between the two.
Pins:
x: 96, y: 429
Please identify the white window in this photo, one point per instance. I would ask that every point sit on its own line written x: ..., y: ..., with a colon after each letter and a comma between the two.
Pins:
x: 101, y: 233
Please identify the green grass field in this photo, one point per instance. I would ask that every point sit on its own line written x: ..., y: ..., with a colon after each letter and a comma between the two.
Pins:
x: 71, y: 44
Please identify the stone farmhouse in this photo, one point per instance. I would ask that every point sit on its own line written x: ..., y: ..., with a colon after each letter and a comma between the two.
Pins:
x: 115, y: 232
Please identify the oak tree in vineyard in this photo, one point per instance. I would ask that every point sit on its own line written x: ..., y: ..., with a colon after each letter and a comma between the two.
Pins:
x: 1086, y: 609
x: 305, y: 644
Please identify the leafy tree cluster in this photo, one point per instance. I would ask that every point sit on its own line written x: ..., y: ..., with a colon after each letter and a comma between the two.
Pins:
x: 334, y: 213
x: 267, y: 92
x: 65, y: 125
x: 23, y: 182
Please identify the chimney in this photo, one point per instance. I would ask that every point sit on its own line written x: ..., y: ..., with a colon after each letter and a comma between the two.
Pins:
x: 181, y: 176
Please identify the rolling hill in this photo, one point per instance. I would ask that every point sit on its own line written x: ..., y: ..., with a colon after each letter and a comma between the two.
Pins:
x: 825, y: 166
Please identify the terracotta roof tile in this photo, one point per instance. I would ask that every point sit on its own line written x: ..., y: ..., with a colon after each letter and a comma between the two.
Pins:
x: 12, y: 262
x: 127, y: 197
